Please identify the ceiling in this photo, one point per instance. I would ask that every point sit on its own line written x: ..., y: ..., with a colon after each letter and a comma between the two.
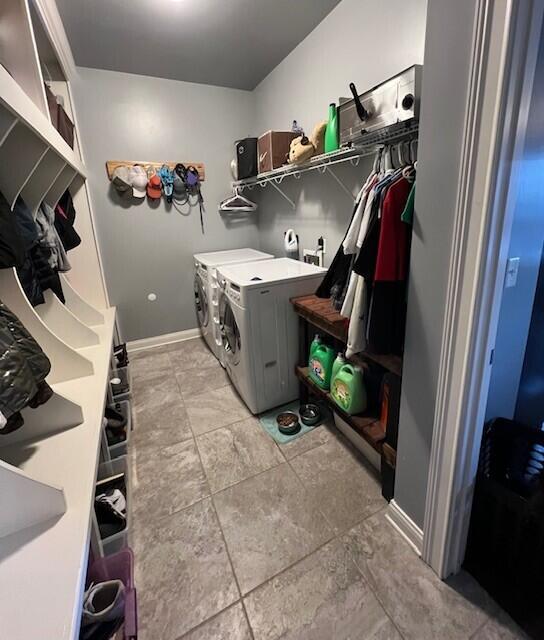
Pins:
x: 230, y: 43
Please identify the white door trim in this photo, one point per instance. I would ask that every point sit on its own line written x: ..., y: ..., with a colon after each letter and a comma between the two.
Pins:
x: 505, y: 47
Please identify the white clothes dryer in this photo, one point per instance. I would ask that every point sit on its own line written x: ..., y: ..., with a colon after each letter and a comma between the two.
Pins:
x: 259, y: 327
x: 207, y: 293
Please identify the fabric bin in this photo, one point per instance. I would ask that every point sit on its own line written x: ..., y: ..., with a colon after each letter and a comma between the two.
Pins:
x: 273, y: 149
x: 121, y: 448
x: 119, y: 480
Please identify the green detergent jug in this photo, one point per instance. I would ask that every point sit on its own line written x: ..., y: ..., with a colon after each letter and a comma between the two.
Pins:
x: 315, y: 343
x: 337, y: 364
x: 348, y: 389
x: 331, y: 131
x: 321, y: 361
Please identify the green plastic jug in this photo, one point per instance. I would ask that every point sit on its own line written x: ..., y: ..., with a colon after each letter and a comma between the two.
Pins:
x: 320, y: 365
x: 348, y: 389
x: 315, y: 343
x: 337, y: 364
x: 331, y: 132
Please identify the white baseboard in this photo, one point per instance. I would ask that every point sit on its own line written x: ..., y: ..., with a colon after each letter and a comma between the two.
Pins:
x: 405, y: 526
x: 159, y: 341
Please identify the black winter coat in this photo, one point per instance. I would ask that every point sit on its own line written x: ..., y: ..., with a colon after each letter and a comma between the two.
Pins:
x: 22, y: 364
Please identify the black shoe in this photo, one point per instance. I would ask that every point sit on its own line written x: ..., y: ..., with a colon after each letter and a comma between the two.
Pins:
x: 116, y: 420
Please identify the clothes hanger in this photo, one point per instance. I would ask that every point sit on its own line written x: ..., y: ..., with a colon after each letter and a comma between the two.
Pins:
x: 237, y: 202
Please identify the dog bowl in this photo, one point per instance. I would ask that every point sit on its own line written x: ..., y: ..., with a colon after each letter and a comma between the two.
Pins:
x: 310, y: 414
x: 288, y: 423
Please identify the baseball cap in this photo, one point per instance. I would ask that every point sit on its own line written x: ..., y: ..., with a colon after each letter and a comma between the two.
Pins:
x: 180, y: 190
x: 154, y: 187
x: 121, y: 181
x: 138, y: 180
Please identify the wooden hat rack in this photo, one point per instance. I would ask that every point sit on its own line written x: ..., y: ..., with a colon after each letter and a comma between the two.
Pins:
x: 111, y: 165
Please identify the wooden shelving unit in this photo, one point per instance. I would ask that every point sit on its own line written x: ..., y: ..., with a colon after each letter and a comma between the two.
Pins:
x: 320, y: 313
x: 367, y: 426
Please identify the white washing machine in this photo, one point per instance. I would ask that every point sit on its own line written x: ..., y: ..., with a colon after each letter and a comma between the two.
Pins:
x: 260, y: 328
x: 207, y: 293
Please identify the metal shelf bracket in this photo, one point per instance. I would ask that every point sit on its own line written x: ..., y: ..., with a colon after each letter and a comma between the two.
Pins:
x: 280, y: 191
x: 339, y: 182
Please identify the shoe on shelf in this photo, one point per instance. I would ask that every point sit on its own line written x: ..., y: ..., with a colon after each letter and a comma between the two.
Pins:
x: 115, y: 436
x: 116, y: 420
x: 103, y: 610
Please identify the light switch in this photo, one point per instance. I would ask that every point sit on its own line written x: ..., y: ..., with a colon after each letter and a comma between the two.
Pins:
x: 512, y: 268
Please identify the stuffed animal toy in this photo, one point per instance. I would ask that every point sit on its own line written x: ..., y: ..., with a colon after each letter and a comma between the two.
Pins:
x: 303, y: 148
x: 318, y: 137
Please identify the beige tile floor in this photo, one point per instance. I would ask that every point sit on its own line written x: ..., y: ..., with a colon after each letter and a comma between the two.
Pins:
x: 237, y: 538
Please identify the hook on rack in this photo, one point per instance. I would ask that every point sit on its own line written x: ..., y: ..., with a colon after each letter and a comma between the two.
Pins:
x: 354, y: 162
x: 296, y: 175
x: 285, y: 196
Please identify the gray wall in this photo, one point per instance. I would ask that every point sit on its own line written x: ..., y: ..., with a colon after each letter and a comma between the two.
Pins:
x: 361, y: 41
x: 526, y: 242
x: 149, y: 249
x: 445, y: 81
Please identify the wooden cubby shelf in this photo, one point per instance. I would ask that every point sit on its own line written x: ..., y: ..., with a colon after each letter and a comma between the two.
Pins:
x: 320, y: 313
x: 367, y: 426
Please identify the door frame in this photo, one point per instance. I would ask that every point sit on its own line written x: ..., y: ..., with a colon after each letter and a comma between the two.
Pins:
x: 505, y: 45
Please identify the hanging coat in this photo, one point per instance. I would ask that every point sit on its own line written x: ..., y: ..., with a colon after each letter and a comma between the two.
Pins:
x: 22, y: 364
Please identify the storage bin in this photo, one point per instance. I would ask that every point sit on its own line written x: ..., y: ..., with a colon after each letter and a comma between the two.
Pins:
x: 119, y: 480
x: 121, y: 448
x: 119, y: 566
x: 120, y: 390
x: 273, y: 149
x: 505, y: 547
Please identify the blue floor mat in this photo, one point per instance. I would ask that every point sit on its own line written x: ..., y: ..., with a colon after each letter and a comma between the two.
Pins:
x: 269, y: 424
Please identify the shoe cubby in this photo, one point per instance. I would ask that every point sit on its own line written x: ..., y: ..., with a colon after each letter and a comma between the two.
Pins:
x: 121, y: 448
x: 118, y: 540
x: 120, y: 383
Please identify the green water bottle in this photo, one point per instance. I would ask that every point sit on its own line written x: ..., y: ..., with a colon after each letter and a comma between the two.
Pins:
x: 348, y: 389
x: 337, y: 365
x: 321, y: 363
x: 331, y: 132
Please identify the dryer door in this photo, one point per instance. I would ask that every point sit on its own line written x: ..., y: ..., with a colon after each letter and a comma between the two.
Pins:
x: 201, y: 302
x: 232, y: 342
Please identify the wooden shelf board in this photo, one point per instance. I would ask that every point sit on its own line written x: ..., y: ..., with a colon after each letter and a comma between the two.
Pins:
x: 320, y: 313
x: 56, y: 552
x: 368, y: 427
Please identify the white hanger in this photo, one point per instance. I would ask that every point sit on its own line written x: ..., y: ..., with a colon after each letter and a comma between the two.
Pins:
x: 237, y: 202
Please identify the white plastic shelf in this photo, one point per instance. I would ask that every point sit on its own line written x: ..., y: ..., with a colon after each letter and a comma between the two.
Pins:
x: 42, y: 572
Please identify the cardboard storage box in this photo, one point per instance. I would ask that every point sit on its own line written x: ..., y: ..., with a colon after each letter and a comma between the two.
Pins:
x: 273, y: 149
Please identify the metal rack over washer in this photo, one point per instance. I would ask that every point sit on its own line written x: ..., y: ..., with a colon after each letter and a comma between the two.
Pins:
x: 323, y: 163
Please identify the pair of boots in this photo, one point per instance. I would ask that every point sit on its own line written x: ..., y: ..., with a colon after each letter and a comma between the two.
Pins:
x: 15, y: 421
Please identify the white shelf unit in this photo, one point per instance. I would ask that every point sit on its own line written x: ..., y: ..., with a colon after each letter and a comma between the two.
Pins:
x: 48, y: 467
x: 43, y: 566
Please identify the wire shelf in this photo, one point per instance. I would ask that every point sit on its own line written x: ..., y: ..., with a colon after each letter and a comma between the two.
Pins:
x: 370, y: 142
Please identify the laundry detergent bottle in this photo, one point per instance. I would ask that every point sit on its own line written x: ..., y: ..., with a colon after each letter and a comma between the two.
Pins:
x: 337, y: 365
x: 321, y: 361
x: 315, y: 343
x: 348, y: 389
